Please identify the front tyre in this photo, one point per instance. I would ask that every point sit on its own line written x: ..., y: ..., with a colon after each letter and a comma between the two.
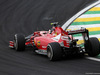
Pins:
x: 19, y: 42
x: 93, y: 47
x: 54, y: 51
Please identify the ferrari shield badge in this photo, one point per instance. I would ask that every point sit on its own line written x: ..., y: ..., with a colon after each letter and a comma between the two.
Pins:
x: 38, y: 43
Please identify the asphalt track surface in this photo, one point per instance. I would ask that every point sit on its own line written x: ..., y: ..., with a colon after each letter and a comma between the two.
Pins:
x: 27, y: 16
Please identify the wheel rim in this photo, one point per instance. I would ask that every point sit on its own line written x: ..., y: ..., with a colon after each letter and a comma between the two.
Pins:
x: 15, y: 42
x: 49, y: 53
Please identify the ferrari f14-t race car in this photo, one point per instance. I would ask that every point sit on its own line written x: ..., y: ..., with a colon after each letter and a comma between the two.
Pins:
x: 57, y: 42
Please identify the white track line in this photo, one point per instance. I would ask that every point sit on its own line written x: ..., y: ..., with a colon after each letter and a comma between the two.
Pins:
x: 89, y: 15
x: 85, y: 26
x: 91, y: 58
x: 97, y: 6
x: 78, y: 14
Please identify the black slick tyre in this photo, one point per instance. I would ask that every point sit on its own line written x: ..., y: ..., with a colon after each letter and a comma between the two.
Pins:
x: 54, y: 51
x: 93, y: 47
x: 19, y: 42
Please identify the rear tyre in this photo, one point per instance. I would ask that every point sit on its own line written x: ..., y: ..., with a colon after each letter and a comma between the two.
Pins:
x: 54, y: 51
x: 93, y: 47
x: 19, y: 42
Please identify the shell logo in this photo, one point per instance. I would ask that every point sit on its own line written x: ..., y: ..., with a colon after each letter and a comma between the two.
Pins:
x: 38, y: 43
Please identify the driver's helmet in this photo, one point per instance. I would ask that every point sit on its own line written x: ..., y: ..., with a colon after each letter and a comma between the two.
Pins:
x: 53, y: 28
x: 54, y: 24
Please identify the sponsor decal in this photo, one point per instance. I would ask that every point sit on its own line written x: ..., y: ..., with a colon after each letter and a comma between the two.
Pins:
x: 38, y: 43
x: 55, y: 39
x: 64, y: 37
x: 43, y: 46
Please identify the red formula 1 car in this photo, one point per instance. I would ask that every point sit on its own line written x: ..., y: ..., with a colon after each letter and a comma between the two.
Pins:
x: 56, y: 42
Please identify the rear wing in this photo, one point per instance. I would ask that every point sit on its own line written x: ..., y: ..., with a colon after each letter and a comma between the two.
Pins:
x: 82, y: 30
x: 69, y: 34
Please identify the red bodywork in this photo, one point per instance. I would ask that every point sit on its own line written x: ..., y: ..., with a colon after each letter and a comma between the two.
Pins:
x: 42, y: 38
